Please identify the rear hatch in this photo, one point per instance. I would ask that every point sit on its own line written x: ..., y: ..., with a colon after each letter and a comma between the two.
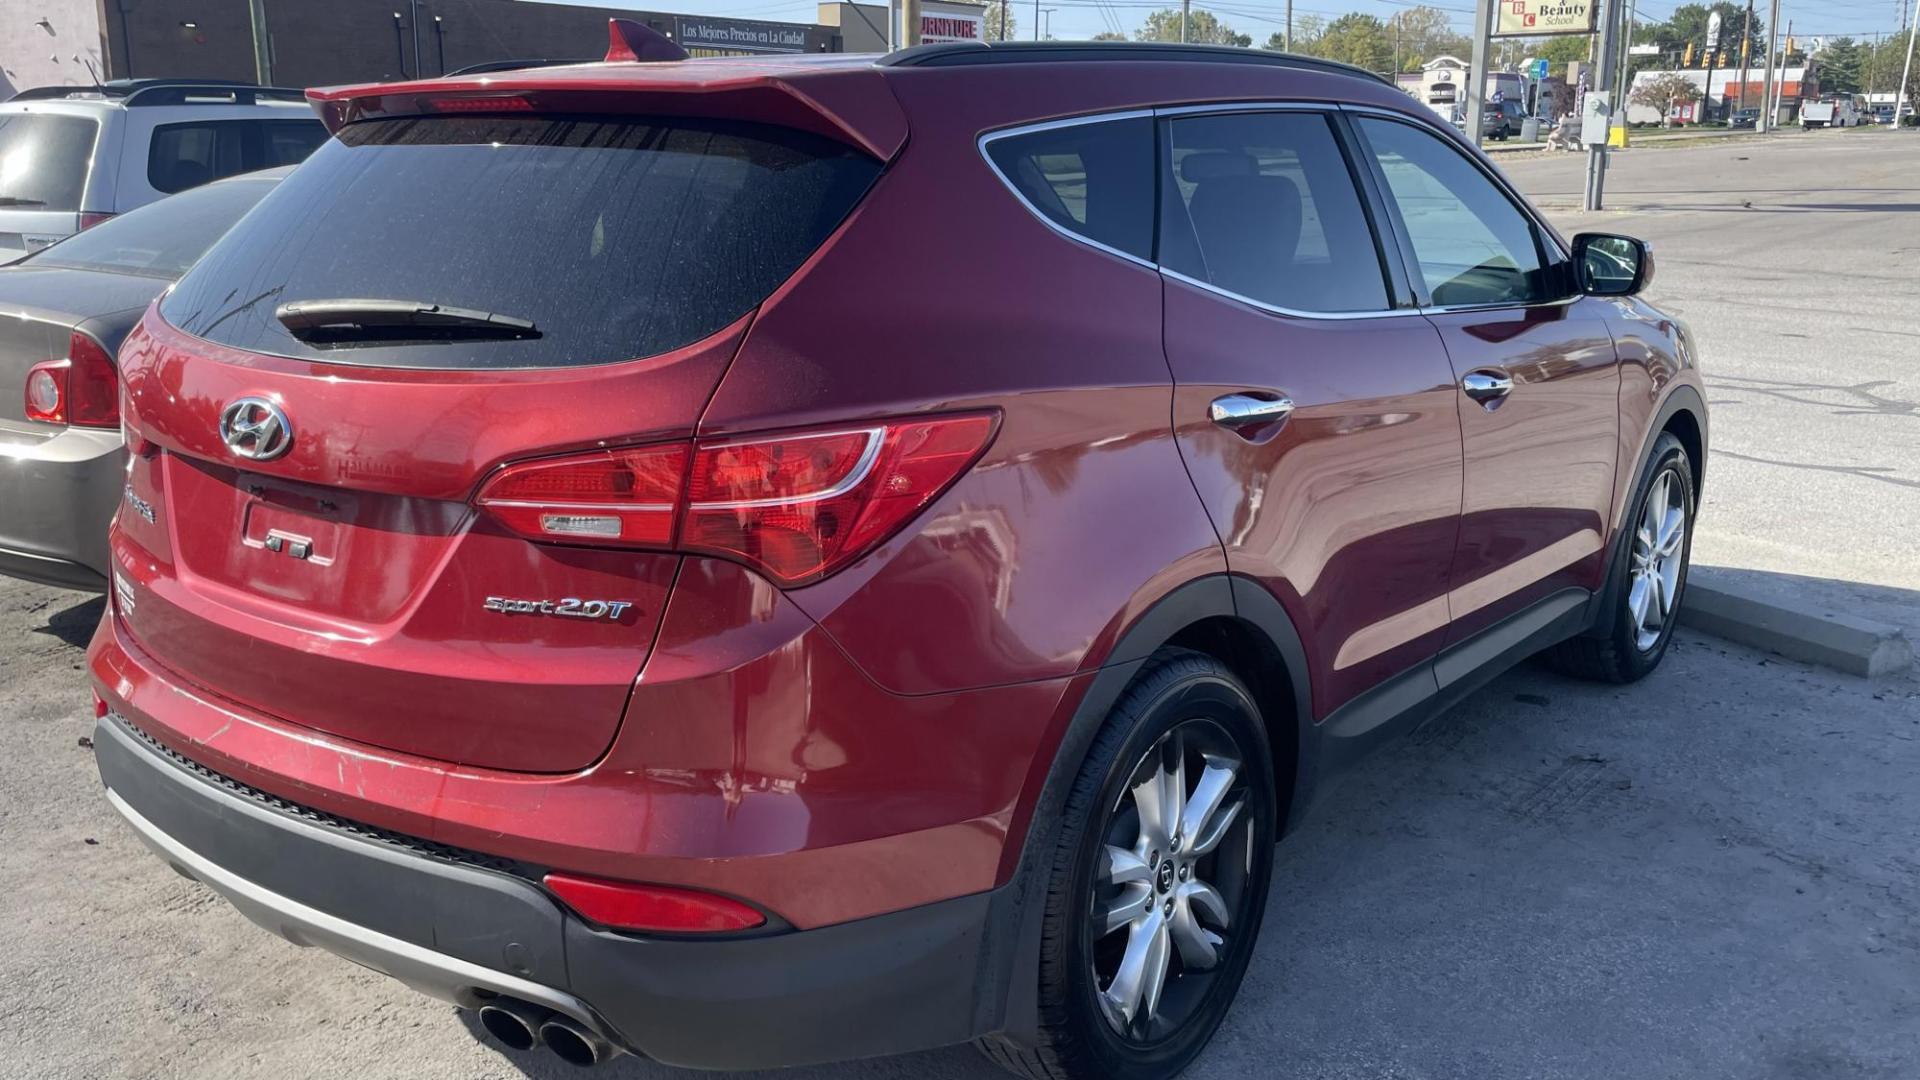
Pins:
x: 44, y: 157
x: 315, y: 406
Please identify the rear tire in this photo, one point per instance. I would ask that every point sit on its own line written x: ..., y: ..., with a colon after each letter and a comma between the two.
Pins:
x: 1648, y: 577
x: 1134, y: 887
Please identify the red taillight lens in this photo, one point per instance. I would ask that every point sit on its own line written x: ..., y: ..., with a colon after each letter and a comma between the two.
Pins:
x: 624, y: 497
x: 493, y: 104
x: 799, y: 507
x: 47, y: 392
x: 93, y: 384
x: 794, y: 506
x: 660, y: 908
x: 88, y: 219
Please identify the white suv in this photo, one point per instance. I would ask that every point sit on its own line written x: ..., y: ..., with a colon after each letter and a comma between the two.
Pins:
x: 71, y: 156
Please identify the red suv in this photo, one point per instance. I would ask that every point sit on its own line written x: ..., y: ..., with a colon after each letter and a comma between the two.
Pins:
x: 750, y: 562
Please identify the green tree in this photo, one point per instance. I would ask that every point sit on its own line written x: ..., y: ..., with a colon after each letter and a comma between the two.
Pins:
x: 1306, y: 31
x: 1688, y: 26
x: 1421, y: 33
x: 995, y: 29
x: 1203, y: 27
x: 1843, y: 66
x: 1109, y: 35
x: 1564, y: 49
x: 1357, y: 39
x: 1665, y: 92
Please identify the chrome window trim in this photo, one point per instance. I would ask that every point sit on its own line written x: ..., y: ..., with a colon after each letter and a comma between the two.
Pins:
x: 1176, y: 111
x: 1276, y: 309
x: 992, y: 137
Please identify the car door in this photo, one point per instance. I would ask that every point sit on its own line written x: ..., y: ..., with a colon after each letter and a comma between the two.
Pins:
x: 1314, y: 406
x: 1538, y: 379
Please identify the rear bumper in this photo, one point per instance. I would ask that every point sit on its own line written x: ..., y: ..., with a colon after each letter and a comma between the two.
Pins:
x: 463, y: 932
x: 57, y: 495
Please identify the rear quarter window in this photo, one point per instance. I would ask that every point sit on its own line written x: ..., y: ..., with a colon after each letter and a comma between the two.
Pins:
x: 1094, y: 180
x: 617, y: 238
x: 44, y: 159
x: 182, y: 156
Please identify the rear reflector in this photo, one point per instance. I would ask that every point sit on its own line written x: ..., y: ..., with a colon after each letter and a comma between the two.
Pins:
x: 796, y: 506
x: 624, y: 905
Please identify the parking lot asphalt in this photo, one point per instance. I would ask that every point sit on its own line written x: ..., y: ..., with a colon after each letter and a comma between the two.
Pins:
x: 1713, y: 873
x: 1796, y: 260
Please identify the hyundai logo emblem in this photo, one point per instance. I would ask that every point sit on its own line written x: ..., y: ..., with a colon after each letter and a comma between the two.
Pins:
x: 256, y: 429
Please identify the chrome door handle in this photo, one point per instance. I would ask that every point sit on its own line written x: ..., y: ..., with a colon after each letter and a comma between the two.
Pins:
x: 1486, y: 386
x: 1240, y: 410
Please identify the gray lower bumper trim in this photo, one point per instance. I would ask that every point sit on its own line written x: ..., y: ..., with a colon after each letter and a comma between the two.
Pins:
x: 446, y: 977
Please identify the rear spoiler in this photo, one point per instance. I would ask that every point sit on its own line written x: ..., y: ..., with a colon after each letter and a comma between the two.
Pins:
x: 847, y: 104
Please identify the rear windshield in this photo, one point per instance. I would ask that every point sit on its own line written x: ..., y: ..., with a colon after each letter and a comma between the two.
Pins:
x: 616, y: 238
x: 160, y: 239
x: 43, y: 160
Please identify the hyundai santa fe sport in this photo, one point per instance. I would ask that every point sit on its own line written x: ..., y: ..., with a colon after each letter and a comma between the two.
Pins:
x: 759, y: 561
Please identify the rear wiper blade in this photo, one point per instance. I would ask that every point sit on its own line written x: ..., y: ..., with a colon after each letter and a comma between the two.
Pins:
x: 332, y: 322
x: 17, y: 200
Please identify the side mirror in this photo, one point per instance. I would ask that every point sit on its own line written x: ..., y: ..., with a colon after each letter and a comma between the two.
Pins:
x: 1610, y: 265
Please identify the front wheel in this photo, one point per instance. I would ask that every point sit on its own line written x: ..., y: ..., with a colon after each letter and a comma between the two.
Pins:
x: 1158, y: 881
x: 1651, y: 569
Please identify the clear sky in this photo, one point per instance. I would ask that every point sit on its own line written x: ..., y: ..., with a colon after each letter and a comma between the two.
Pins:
x: 1258, y: 18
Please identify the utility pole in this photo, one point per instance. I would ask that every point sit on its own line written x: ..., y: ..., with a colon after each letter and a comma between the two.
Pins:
x: 909, y: 23
x: 1768, y: 111
x: 1003, y: 20
x: 1186, y: 7
x: 262, y: 48
x: 1048, y: 32
x: 1714, y: 32
x: 1604, y: 84
x: 1746, y: 39
x: 1477, y: 74
x: 413, y: 25
x: 1906, y: 72
x: 1036, y: 20
x: 1289, y: 25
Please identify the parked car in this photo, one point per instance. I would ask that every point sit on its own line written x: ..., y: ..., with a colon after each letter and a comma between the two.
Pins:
x: 1492, y: 124
x: 740, y: 649
x: 73, y: 156
x: 1883, y: 114
x: 1744, y: 118
x: 63, y: 314
x: 1830, y: 111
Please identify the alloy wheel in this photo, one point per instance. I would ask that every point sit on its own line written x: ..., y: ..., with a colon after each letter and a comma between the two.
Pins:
x: 1171, y: 884
x: 1659, y: 547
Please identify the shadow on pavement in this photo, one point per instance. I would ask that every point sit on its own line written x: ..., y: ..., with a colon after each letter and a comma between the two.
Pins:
x: 75, y: 625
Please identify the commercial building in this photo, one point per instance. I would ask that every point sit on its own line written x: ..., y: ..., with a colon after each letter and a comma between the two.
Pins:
x: 325, y: 42
x: 1731, y: 89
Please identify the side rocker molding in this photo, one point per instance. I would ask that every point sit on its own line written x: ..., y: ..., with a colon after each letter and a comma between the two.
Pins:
x: 1009, y: 990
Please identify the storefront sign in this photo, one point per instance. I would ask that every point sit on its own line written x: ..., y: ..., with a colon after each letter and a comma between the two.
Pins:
x: 699, y: 35
x: 955, y: 23
x: 1534, y: 18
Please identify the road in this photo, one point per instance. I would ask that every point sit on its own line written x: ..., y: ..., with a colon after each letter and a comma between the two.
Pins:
x: 1796, y: 260
x: 1712, y: 874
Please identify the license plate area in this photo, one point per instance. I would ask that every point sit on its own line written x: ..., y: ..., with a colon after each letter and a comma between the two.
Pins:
x: 282, y: 531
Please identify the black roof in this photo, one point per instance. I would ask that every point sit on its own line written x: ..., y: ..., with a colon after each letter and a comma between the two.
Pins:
x: 971, y: 53
x: 133, y: 92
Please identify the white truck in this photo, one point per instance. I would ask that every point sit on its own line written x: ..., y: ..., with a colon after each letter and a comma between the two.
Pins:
x: 1834, y: 110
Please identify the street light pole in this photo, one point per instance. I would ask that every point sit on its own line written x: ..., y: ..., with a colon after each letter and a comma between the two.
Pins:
x: 262, y: 48
x: 1477, y: 74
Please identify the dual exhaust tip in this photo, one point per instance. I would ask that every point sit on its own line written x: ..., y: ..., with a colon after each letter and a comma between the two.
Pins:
x: 521, y: 1025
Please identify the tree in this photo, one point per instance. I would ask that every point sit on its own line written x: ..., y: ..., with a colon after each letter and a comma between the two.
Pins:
x: 1360, y: 40
x: 1202, y: 26
x: 1306, y: 31
x: 1843, y: 66
x: 1109, y: 35
x: 995, y: 30
x: 1666, y: 92
x: 1421, y: 33
x: 1564, y: 49
x: 1688, y: 25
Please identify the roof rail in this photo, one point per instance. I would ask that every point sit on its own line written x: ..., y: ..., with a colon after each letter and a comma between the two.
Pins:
x: 131, y: 92
x: 967, y: 54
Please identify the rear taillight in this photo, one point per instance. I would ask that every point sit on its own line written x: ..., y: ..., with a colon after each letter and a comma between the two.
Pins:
x: 83, y: 389
x: 90, y: 218
x: 623, y: 497
x: 796, y: 506
x: 659, y: 908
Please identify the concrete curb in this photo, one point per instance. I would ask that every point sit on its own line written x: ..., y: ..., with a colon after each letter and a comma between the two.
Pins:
x: 1855, y: 646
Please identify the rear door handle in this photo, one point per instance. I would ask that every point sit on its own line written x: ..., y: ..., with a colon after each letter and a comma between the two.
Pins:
x: 1241, y: 410
x: 1487, y: 387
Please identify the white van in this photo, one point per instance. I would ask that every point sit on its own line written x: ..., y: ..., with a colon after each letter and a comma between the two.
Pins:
x: 1833, y: 110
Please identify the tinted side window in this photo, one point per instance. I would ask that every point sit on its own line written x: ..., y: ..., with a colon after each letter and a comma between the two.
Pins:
x: 1263, y: 205
x: 1472, y: 244
x: 1094, y: 180
x: 181, y: 156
